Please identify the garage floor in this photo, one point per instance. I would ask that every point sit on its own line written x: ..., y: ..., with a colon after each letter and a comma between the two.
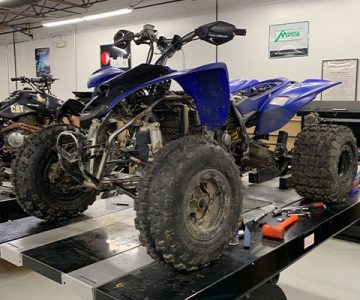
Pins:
x: 331, y: 271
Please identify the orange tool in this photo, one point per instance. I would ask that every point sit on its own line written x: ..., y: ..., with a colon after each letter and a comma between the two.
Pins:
x: 278, y: 232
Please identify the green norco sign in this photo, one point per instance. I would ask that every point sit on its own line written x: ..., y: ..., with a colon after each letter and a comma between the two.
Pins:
x: 289, y: 40
x: 285, y: 35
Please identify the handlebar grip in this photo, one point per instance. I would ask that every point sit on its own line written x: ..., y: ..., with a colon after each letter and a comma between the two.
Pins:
x: 14, y: 79
x: 240, y: 32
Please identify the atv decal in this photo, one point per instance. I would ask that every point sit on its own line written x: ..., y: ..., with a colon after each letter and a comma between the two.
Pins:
x: 17, y: 109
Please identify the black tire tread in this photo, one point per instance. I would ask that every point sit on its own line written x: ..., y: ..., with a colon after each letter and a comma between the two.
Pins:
x: 156, y: 232
x: 314, y: 164
x: 23, y: 184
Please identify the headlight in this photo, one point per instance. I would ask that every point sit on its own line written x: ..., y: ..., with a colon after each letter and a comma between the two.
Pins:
x: 279, y: 101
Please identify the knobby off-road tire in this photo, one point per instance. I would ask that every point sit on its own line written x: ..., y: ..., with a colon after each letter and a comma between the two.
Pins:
x: 189, y: 203
x: 35, y: 193
x: 324, y: 162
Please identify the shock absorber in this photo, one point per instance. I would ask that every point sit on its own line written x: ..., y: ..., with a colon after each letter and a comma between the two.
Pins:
x: 231, y: 129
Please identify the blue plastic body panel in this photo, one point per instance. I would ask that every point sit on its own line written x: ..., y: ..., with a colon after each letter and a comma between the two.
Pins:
x: 101, y: 75
x: 210, y: 88
x: 208, y: 85
x: 272, y: 116
x: 255, y: 103
x: 237, y: 85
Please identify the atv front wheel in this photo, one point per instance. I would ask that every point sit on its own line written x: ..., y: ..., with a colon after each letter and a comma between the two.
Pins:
x: 42, y: 188
x: 189, y: 203
x: 324, y: 164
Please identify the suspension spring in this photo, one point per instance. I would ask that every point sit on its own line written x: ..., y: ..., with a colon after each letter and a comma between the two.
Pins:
x: 231, y: 129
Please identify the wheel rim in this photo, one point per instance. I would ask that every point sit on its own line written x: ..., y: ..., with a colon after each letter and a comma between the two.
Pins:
x: 59, y: 185
x: 207, y: 204
x: 345, y: 163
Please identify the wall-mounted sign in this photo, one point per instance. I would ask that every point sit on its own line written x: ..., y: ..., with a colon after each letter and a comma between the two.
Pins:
x: 289, y: 40
x: 115, y: 57
x: 42, y: 61
x: 344, y: 70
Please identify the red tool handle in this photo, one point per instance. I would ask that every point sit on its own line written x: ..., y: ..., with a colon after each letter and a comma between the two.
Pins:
x: 288, y: 221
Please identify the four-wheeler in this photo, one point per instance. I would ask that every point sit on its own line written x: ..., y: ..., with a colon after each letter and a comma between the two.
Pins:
x: 24, y: 112
x: 180, y: 154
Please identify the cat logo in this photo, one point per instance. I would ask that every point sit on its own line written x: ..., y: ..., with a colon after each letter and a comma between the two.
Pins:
x: 16, y: 109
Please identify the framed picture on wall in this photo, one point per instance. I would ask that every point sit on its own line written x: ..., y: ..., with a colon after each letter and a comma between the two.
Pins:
x: 289, y: 40
x: 344, y: 71
x: 115, y: 57
x: 42, y: 61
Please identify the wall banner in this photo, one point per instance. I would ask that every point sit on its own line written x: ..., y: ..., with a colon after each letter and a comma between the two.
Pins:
x: 115, y: 57
x: 289, y: 40
x: 42, y: 61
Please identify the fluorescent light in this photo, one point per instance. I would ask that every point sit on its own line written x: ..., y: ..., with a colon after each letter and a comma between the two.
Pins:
x: 63, y: 22
x: 108, y: 14
x: 89, y: 17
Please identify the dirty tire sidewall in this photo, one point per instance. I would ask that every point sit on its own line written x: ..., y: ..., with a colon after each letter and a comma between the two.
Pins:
x: 167, y: 182
x: 316, y: 167
x: 29, y: 179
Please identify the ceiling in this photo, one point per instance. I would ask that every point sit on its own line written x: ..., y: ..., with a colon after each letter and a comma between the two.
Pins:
x: 23, y: 15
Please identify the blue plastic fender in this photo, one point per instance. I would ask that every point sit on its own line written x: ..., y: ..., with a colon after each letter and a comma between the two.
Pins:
x: 254, y: 103
x: 237, y: 85
x: 101, y: 75
x: 284, y: 104
x: 208, y: 85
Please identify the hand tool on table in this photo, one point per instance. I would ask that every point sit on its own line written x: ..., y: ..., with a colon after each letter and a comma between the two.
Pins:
x: 298, y: 210
x: 278, y: 232
x: 305, y: 214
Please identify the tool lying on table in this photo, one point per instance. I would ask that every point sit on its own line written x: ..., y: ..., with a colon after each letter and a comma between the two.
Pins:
x: 304, y: 214
x: 298, y: 210
x: 278, y: 232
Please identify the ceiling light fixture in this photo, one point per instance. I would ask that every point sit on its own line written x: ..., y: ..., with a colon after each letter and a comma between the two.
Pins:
x: 108, y: 14
x: 62, y: 22
x: 89, y: 17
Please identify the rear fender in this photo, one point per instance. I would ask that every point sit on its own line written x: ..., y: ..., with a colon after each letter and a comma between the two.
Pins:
x: 286, y: 103
x: 236, y: 85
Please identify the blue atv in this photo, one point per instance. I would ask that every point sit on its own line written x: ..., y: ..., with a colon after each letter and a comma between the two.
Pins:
x: 180, y: 154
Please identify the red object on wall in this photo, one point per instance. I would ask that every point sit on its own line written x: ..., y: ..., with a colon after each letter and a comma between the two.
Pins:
x: 105, y: 58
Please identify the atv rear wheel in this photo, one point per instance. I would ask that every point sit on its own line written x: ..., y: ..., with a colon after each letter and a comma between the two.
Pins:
x: 189, y: 203
x: 42, y: 188
x: 324, y: 162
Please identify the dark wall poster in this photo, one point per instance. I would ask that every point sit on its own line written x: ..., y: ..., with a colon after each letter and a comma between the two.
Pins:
x: 115, y: 57
x: 42, y: 61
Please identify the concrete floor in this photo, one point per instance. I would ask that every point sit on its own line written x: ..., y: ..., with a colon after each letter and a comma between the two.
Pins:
x: 330, y: 272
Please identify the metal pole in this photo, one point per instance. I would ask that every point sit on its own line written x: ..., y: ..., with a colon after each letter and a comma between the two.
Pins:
x: 75, y: 61
x: 15, y: 61
x: 217, y: 19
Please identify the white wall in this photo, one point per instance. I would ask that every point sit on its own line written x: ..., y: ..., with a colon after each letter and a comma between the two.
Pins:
x: 334, y: 33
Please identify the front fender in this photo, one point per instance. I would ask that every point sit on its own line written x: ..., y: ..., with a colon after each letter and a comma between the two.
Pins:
x: 275, y: 114
x: 208, y: 85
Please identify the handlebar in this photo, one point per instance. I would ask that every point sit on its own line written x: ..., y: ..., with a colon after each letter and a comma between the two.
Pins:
x: 241, y: 32
x: 41, y: 84
x: 216, y: 33
x: 17, y: 78
x: 44, y: 79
